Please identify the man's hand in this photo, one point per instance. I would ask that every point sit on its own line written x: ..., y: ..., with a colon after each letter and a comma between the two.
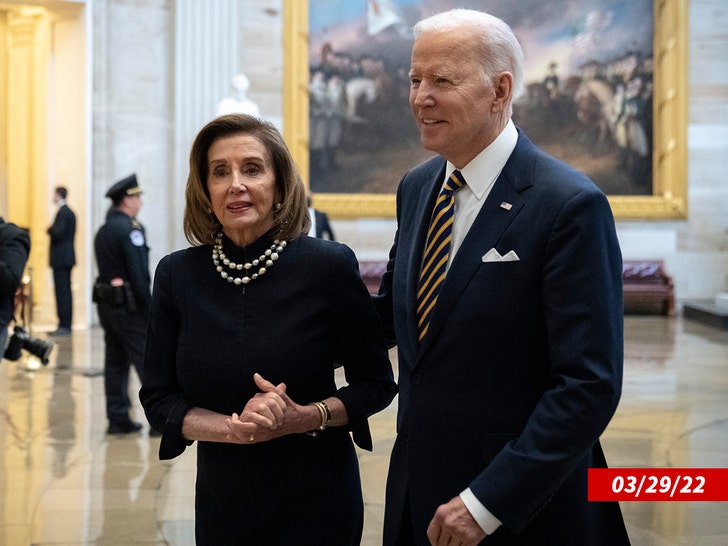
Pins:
x: 453, y: 525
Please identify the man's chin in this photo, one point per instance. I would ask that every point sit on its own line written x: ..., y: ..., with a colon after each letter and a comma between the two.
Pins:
x: 430, y: 141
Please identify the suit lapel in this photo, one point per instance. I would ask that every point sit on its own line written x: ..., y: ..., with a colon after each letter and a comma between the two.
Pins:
x: 487, y: 229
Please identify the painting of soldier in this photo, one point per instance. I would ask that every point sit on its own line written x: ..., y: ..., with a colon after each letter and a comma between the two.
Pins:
x: 588, y: 96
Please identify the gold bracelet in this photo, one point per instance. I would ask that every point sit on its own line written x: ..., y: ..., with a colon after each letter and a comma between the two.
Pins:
x: 314, y: 432
x: 326, y: 421
x: 322, y: 414
x: 325, y: 414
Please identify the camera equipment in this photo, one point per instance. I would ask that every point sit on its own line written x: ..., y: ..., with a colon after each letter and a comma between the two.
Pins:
x: 21, y: 340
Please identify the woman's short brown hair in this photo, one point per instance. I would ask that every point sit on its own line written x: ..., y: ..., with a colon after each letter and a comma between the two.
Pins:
x: 200, y: 224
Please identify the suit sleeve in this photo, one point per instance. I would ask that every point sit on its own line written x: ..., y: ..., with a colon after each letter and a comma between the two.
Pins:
x: 582, y: 301
x: 383, y: 300
x: 360, y: 347
x: 161, y: 395
x: 137, y: 263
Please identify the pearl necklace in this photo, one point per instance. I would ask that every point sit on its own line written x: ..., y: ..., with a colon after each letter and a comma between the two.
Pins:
x: 265, y: 261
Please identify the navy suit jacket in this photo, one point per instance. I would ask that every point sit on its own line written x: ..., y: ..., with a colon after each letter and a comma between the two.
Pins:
x: 62, y: 233
x: 521, y: 369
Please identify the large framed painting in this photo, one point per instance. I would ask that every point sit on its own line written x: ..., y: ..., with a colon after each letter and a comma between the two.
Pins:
x: 606, y: 84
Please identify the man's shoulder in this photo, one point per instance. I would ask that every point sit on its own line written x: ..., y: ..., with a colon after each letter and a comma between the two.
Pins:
x: 118, y: 226
x: 118, y: 218
x: 531, y: 162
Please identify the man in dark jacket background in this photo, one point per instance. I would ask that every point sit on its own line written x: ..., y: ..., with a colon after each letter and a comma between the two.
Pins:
x: 62, y: 259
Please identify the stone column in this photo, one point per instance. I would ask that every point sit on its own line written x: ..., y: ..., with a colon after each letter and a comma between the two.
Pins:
x: 206, y: 57
x: 27, y: 92
x: 133, y: 110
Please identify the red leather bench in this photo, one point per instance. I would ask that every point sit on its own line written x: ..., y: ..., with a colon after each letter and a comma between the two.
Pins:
x: 371, y: 273
x: 647, y: 288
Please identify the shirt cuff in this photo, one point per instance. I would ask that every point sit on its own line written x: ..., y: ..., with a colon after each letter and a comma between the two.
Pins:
x: 487, y: 521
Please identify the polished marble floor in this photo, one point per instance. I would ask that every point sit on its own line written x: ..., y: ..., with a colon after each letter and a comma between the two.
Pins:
x: 63, y: 481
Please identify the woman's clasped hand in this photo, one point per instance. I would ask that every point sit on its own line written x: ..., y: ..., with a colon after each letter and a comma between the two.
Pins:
x: 269, y: 414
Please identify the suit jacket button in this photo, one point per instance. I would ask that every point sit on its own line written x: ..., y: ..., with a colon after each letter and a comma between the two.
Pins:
x: 416, y: 378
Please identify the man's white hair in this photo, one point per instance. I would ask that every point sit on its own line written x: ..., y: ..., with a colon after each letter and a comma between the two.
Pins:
x: 500, y: 49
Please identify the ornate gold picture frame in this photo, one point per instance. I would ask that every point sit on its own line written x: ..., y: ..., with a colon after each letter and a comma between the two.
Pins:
x: 669, y: 153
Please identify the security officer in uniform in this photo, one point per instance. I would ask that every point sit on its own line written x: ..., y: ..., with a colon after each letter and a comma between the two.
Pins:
x: 123, y: 297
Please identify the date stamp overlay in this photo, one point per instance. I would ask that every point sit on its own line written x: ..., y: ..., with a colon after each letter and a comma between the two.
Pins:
x: 658, y: 484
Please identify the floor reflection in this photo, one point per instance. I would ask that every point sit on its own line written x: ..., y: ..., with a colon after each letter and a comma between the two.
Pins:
x: 64, y: 481
x: 673, y: 413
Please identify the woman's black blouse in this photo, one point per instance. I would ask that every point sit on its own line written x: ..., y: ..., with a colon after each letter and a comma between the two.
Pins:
x: 308, y: 314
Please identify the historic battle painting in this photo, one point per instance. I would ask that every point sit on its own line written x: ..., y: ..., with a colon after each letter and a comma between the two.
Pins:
x: 587, y: 98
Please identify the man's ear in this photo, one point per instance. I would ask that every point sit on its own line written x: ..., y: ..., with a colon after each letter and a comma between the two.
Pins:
x: 503, y: 86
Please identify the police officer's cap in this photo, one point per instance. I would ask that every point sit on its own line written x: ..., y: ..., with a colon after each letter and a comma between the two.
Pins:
x: 124, y: 187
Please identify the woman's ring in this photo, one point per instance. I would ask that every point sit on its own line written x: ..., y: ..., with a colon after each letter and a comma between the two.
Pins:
x: 252, y: 438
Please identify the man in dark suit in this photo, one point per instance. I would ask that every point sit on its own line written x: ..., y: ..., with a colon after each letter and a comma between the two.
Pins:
x: 62, y: 259
x: 319, y: 222
x: 508, y: 377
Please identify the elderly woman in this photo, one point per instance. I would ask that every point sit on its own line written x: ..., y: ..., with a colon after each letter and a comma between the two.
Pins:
x: 246, y: 330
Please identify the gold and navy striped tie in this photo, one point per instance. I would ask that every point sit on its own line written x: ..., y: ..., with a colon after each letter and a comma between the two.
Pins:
x: 437, y: 249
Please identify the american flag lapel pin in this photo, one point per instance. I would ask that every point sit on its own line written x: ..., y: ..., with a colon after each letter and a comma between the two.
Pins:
x: 506, y: 206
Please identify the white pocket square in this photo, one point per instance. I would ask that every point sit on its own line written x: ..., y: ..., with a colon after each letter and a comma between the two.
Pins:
x: 494, y: 256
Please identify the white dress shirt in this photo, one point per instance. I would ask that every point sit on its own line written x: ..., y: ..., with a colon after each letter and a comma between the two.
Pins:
x: 480, y: 175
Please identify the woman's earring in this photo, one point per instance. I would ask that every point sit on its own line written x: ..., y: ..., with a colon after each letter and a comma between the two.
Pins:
x: 278, y: 206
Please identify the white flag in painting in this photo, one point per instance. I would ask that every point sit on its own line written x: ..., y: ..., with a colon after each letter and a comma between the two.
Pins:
x: 588, y: 41
x: 382, y: 14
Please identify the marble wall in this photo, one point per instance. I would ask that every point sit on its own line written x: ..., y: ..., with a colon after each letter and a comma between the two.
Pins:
x: 139, y: 103
x: 160, y: 68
